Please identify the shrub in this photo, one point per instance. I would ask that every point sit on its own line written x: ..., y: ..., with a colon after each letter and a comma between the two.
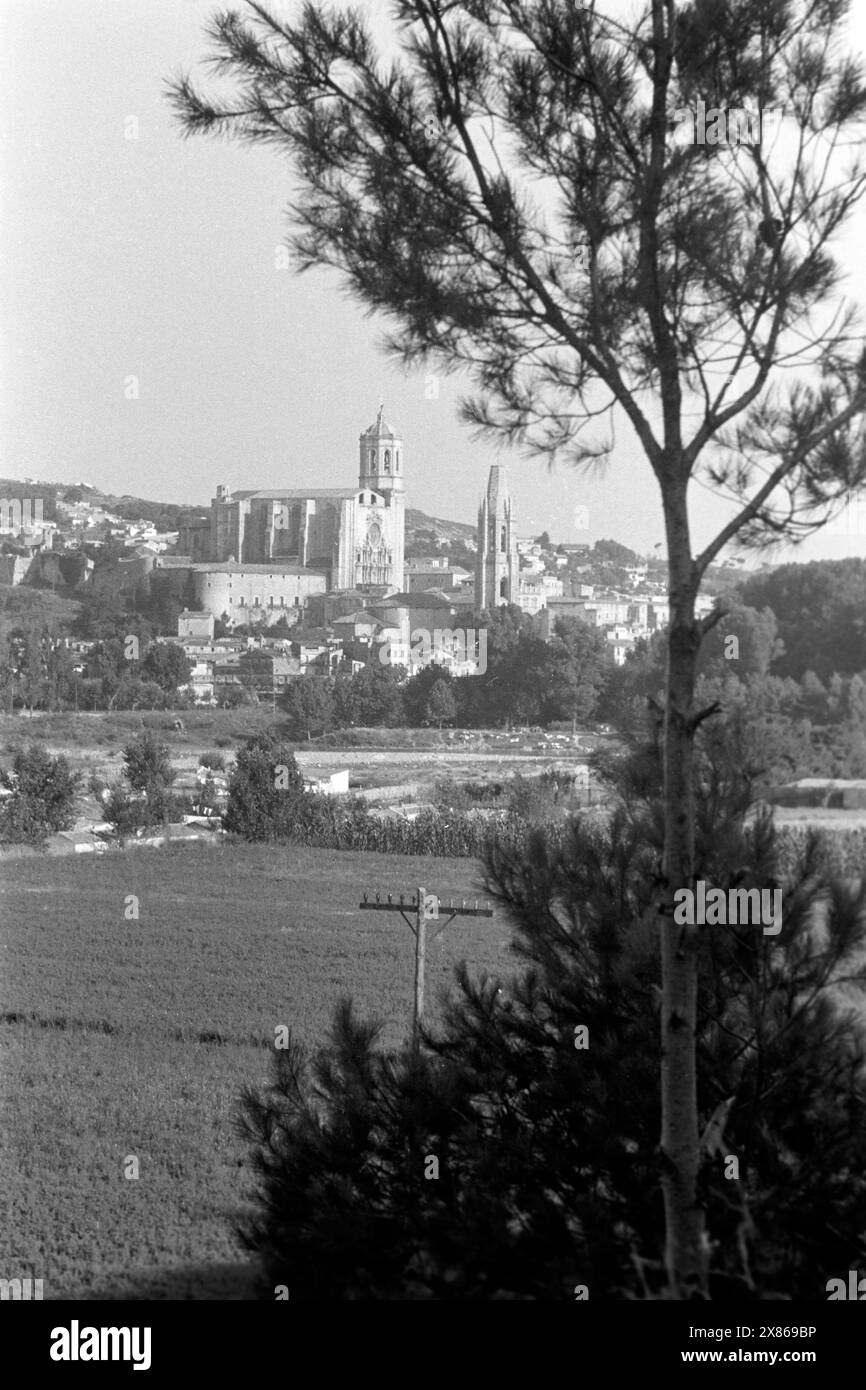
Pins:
x: 213, y: 760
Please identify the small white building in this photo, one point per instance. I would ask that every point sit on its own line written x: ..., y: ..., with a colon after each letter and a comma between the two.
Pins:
x: 327, y: 783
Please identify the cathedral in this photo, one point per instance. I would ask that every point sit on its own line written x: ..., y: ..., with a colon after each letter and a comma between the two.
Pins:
x: 353, y: 536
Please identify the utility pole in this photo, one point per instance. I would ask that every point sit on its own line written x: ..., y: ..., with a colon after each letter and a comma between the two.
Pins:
x: 425, y: 908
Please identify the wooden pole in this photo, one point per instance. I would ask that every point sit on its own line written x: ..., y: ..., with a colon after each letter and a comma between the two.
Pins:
x: 419, y: 930
x: 420, y: 945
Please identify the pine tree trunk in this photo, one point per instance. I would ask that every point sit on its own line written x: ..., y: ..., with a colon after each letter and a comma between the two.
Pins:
x: 685, y: 1253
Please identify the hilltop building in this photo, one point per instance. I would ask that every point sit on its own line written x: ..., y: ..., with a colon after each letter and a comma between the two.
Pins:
x: 353, y: 537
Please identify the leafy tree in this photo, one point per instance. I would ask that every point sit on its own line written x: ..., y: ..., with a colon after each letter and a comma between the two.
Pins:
x: 59, y: 674
x: 418, y: 689
x: 580, y: 668
x: 143, y: 797
x: 124, y: 812
x: 108, y: 617
x: 670, y: 280
x: 148, y: 764
x: 532, y: 681
x: 308, y: 706
x: 765, y: 724
x: 341, y: 692
x: 266, y: 791
x: 521, y: 679
x: 8, y: 679
x: 753, y: 653
x: 441, y: 706
x: 161, y: 603
x: 506, y: 690
x: 835, y: 698
x: 32, y: 670
x: 167, y: 664
x: 133, y: 693
x: 614, y: 553
x: 375, y: 698
x: 41, y: 799
x: 820, y: 611
x: 814, y: 696
x: 855, y: 705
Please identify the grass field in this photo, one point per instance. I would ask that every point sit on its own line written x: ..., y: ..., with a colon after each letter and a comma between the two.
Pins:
x: 125, y: 1038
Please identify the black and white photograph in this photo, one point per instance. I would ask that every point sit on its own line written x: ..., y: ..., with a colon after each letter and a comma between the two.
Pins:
x: 432, y: 668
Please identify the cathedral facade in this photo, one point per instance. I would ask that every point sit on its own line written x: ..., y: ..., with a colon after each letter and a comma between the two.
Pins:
x: 354, y: 537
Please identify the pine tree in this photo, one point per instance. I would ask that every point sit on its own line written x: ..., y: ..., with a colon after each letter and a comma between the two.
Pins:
x: 536, y: 1096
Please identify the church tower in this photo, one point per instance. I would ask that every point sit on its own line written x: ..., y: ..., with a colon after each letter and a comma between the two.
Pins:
x: 497, y: 566
x: 380, y: 477
x: 381, y: 461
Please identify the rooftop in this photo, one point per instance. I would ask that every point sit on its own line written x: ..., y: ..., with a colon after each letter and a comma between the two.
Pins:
x: 232, y: 567
x: 324, y: 494
x: 415, y: 600
x: 351, y: 618
x: 380, y: 428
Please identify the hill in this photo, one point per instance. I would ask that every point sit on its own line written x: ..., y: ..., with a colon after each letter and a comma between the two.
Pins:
x: 420, y: 528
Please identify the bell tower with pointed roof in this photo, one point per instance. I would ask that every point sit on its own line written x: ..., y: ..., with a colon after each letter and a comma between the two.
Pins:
x: 497, y: 564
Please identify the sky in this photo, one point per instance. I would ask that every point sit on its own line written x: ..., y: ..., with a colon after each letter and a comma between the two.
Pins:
x: 152, y: 341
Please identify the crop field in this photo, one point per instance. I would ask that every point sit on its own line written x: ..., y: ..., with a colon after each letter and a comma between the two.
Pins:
x: 129, y: 1039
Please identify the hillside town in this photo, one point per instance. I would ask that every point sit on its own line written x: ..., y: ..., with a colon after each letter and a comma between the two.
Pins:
x: 282, y: 584
x: 464, y: 904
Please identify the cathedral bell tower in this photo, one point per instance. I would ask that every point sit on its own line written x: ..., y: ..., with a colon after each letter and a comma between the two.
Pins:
x: 381, y: 461
x: 383, y: 501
